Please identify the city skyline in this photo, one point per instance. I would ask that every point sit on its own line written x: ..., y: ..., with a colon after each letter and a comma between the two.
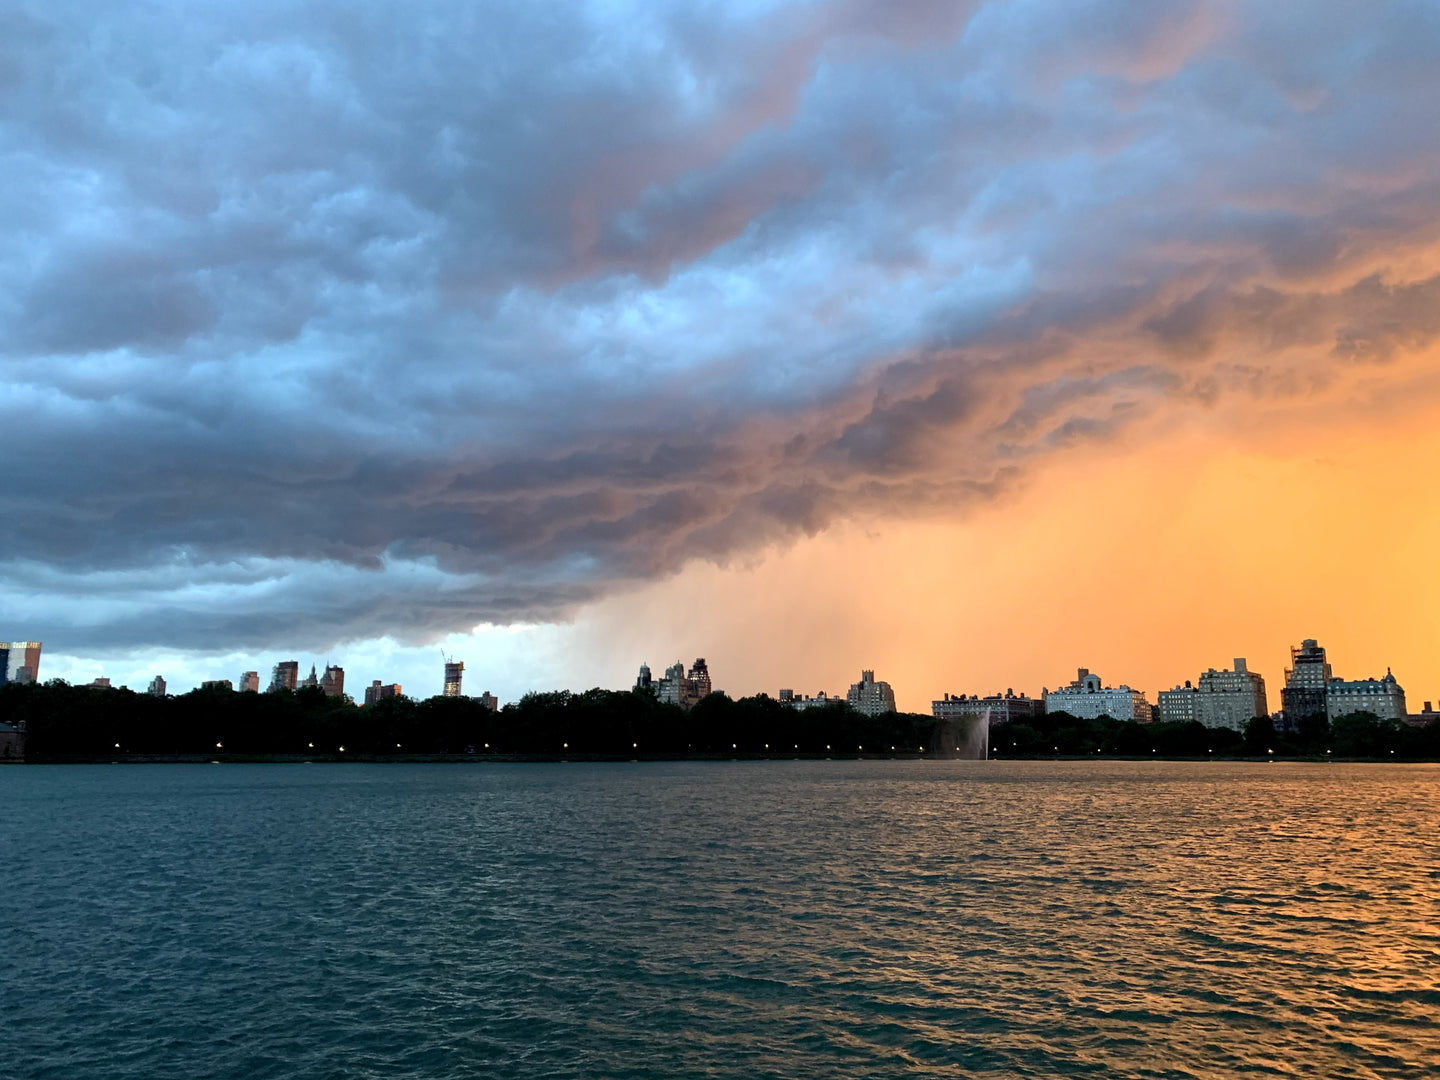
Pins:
x: 939, y: 337
x: 1227, y: 696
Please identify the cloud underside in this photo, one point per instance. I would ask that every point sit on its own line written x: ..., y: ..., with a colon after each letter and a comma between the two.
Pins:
x: 329, y: 325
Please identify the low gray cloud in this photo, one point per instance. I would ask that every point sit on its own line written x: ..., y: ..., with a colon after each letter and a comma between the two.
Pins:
x: 329, y: 323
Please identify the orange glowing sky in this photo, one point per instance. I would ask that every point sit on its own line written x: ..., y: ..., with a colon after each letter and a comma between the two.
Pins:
x: 1205, y: 537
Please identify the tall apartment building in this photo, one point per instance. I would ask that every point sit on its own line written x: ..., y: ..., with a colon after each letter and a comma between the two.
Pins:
x: 1383, y: 697
x: 454, y: 673
x: 19, y: 662
x: 669, y: 686
x: 311, y: 680
x: 1088, y: 699
x: 699, y: 678
x: 1306, y: 680
x: 157, y: 686
x: 332, y: 683
x: 1231, y: 698
x: 1177, y: 705
x: 249, y: 680
x: 490, y: 701
x: 217, y: 684
x: 1001, y: 708
x: 676, y: 687
x: 378, y: 691
x: 869, y: 696
x: 286, y: 675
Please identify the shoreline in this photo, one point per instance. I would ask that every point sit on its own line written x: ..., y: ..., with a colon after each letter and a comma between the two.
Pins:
x: 578, y: 759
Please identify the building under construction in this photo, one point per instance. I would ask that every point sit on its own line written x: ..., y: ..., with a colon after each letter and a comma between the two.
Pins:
x: 454, y: 672
x: 1306, y: 681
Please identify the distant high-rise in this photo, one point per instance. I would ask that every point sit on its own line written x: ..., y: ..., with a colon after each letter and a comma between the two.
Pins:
x: 217, y: 684
x: 643, y: 681
x: 454, y: 673
x: 378, y: 691
x: 102, y: 682
x: 333, y: 681
x: 1177, y: 706
x: 310, y: 680
x: 157, y: 686
x: 19, y: 662
x: 1230, y: 699
x: 699, y: 678
x: 677, y: 688
x: 490, y: 701
x: 870, y: 697
x: 249, y: 680
x: 1305, y: 682
x: 286, y: 675
x: 670, y: 688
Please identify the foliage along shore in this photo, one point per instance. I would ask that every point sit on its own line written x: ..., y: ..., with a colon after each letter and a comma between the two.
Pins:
x: 79, y: 723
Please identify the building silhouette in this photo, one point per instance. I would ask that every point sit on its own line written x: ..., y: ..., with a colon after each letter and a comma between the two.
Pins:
x: 1306, y: 680
x: 249, y: 681
x: 157, y: 686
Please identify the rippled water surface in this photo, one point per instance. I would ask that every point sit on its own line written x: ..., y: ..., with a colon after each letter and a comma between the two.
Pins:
x: 720, y: 920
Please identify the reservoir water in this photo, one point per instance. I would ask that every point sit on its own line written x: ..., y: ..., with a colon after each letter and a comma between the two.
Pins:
x: 755, y: 919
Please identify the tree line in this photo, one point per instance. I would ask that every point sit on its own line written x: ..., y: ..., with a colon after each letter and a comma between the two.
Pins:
x: 66, y: 722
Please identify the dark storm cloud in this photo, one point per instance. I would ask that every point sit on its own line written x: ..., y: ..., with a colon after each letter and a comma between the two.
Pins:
x: 325, y: 322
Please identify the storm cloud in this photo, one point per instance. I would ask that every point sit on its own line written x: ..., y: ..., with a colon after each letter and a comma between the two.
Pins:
x: 329, y: 321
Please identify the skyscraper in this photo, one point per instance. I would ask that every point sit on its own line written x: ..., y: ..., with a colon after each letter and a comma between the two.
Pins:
x: 249, y: 680
x: 157, y: 686
x: 454, y: 672
x: 285, y: 675
x: 19, y: 662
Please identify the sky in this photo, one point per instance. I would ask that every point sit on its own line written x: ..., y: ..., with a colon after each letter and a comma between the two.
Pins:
x: 971, y: 342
